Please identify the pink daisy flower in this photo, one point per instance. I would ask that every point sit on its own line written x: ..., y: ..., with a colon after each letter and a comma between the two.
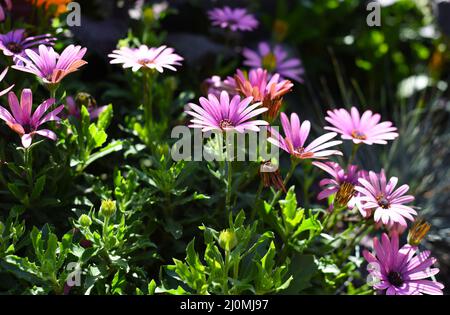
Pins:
x: 23, y: 122
x: 147, y: 58
x: 14, y: 43
x: 50, y: 66
x: 235, y: 19
x: 379, y: 196
x: 296, y: 134
x: 274, y: 60
x: 342, y: 182
x: 215, y: 85
x: 361, y: 129
x: 75, y: 111
x: 401, y: 271
x: 224, y: 114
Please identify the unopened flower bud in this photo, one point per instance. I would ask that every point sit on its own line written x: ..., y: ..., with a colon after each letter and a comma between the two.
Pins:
x: 108, y: 208
x: 149, y: 16
x: 85, y: 220
x: 227, y: 240
x: 418, y: 231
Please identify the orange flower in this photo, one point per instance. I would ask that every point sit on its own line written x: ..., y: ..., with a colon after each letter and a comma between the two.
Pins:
x: 61, y: 5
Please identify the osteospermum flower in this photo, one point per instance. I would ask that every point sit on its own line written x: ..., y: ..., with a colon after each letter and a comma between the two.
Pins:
x: 234, y: 19
x: 269, y: 91
x: 14, y: 43
x: 296, y: 134
x: 361, y: 129
x: 50, y: 66
x: 5, y: 5
x: 342, y: 182
x: 215, y: 85
x: 379, y: 196
x: 401, y: 271
x: 147, y: 58
x: 224, y: 114
x: 25, y: 123
x: 274, y: 60
x: 74, y: 106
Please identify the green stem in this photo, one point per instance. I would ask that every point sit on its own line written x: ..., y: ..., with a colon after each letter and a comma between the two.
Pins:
x: 105, y: 232
x: 277, y: 196
x: 229, y: 184
x: 353, y: 155
x: 148, y: 100
x: 255, y: 204
x: 225, y: 275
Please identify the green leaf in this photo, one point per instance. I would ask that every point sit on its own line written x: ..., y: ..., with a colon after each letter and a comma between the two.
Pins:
x: 38, y: 187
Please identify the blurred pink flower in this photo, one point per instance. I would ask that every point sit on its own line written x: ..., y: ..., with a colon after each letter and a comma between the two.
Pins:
x: 361, y: 129
x: 75, y: 111
x: 379, y: 196
x: 146, y: 57
x: 215, y: 85
x: 296, y: 134
x: 237, y: 19
x: 7, y: 6
x: 274, y: 60
x: 401, y: 271
x: 23, y: 122
x: 50, y: 66
x: 224, y: 114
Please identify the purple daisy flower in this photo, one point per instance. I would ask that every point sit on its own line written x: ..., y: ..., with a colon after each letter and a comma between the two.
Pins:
x: 22, y: 121
x: 50, y: 66
x: 379, y: 196
x: 235, y: 19
x: 296, y: 134
x: 342, y: 183
x: 215, y: 85
x: 361, y: 129
x: 274, y: 60
x: 14, y: 43
x: 224, y: 114
x: 147, y: 58
x: 74, y: 110
x: 401, y: 271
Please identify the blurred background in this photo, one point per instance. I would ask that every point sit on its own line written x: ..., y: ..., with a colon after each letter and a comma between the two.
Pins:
x: 399, y: 69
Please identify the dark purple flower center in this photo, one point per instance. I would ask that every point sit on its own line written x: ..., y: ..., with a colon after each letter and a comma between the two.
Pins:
x: 383, y: 202
x: 358, y: 135
x: 395, y: 278
x: 14, y: 47
x: 225, y: 124
x: 27, y: 128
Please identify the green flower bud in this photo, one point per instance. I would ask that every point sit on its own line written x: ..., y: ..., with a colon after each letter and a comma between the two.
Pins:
x: 108, y: 208
x: 149, y: 16
x: 85, y: 220
x: 227, y: 240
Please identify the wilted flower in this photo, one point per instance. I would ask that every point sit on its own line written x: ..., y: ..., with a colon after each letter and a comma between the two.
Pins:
x: 50, y: 66
x: 361, y: 129
x: 296, y: 134
x: 342, y: 183
x: 14, y: 43
x: 270, y: 176
x: 224, y: 114
x: 26, y: 124
x: 418, y: 231
x: 5, y: 5
x: 234, y: 19
x: 146, y: 57
x: 74, y: 106
x: 274, y: 60
x: 401, y: 271
x: 269, y: 91
x: 377, y: 196
x: 215, y: 85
